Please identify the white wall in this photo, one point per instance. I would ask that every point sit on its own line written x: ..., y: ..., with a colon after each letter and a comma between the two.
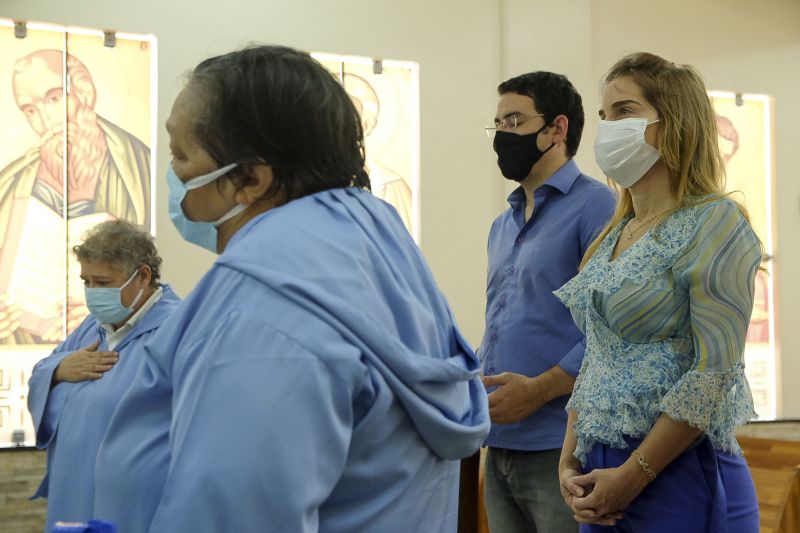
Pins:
x: 556, y: 37
x: 455, y: 44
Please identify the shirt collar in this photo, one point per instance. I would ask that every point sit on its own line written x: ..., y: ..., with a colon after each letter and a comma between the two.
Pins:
x: 562, y: 180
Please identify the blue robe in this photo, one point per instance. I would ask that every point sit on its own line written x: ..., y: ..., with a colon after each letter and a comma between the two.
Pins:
x: 314, y: 380
x: 71, y: 418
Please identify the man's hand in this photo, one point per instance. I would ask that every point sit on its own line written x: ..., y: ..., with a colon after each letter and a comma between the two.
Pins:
x: 517, y: 397
x: 85, y: 364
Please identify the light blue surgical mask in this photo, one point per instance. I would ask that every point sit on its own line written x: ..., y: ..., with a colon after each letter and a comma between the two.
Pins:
x: 200, y: 233
x: 105, y: 303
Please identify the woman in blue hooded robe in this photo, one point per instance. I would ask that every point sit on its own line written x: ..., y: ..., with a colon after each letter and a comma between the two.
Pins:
x: 315, y: 379
x: 74, y: 391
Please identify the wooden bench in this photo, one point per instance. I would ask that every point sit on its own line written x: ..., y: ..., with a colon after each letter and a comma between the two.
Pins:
x: 778, y: 495
x: 775, y: 466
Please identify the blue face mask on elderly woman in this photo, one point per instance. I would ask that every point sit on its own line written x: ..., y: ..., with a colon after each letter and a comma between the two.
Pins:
x: 203, y: 234
x: 105, y: 303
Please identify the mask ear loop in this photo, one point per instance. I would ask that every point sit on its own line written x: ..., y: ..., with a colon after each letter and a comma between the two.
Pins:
x: 230, y: 214
x: 645, y: 127
x: 138, y: 295
x: 196, y: 183
x: 540, y: 131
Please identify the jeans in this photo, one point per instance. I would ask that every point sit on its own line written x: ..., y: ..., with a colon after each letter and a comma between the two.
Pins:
x: 523, y: 495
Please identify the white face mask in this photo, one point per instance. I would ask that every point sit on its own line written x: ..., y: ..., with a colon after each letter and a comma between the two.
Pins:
x: 621, y: 151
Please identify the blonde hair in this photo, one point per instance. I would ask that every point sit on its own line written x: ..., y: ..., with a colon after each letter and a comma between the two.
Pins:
x: 687, y: 134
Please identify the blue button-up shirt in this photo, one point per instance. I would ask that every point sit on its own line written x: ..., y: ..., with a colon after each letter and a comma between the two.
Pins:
x: 528, y: 331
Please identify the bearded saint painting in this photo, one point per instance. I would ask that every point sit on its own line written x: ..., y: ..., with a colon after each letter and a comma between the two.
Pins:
x: 107, y: 175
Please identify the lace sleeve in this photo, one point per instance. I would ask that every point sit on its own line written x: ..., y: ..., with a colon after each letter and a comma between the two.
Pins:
x: 718, y: 269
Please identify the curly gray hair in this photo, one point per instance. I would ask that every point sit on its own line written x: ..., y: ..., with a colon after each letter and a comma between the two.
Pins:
x: 121, y: 244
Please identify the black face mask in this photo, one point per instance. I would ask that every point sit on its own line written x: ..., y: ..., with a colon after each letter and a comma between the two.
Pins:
x: 516, y: 154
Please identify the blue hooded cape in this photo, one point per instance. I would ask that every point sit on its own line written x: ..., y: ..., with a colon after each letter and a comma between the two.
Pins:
x: 314, y: 380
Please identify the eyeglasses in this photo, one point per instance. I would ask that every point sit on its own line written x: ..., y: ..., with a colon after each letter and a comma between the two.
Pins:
x: 508, y: 123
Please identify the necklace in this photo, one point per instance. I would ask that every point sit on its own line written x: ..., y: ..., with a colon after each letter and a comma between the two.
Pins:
x: 640, y: 226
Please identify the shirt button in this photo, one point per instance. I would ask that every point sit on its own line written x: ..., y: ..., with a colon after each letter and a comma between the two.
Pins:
x: 493, y: 336
x: 511, y: 270
x: 501, y: 303
x: 520, y: 239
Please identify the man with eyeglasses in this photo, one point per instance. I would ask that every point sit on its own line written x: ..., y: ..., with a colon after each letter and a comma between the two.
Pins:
x: 531, y: 349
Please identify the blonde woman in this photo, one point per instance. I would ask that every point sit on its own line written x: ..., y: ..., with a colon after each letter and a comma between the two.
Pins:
x: 664, y: 297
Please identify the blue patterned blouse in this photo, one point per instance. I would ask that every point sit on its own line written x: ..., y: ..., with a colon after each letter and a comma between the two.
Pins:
x: 665, y: 326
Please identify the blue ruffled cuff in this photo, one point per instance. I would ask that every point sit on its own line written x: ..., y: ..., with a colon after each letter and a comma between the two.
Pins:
x: 715, y: 402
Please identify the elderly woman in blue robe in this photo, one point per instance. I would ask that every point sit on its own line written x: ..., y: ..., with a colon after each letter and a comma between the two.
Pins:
x: 74, y: 391
x: 314, y: 379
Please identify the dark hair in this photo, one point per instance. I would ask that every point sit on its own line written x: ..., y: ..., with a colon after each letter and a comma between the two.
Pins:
x: 123, y: 245
x: 553, y: 95
x: 279, y: 106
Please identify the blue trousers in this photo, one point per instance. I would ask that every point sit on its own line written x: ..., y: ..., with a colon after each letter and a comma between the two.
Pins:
x: 701, y: 491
